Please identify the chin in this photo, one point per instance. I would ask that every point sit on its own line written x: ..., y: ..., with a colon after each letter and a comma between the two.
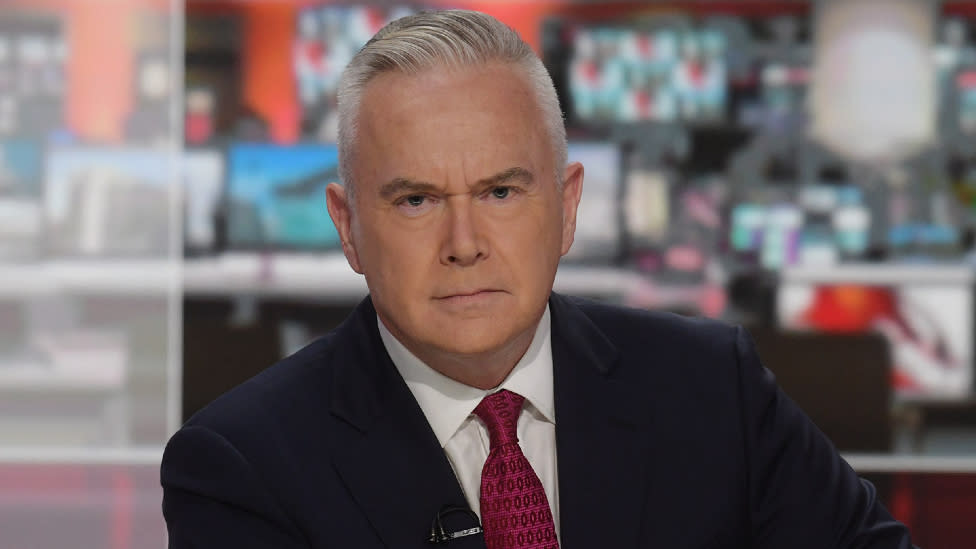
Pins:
x: 474, y: 336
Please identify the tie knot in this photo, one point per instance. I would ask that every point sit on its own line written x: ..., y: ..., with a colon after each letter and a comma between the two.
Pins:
x: 500, y: 412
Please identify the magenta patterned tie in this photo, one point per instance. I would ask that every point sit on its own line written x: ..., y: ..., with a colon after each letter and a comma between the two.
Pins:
x: 515, y: 513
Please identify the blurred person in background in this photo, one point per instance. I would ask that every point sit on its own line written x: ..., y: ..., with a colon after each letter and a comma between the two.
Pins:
x: 465, y: 403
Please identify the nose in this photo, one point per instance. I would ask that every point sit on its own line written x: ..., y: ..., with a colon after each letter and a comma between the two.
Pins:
x: 463, y: 243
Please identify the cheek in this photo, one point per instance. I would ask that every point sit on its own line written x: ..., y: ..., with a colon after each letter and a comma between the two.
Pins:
x: 529, y: 241
x: 394, y: 257
x: 546, y: 228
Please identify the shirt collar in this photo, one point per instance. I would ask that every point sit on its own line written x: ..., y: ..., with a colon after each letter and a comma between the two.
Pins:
x: 448, y: 403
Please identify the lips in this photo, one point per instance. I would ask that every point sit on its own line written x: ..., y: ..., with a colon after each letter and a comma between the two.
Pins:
x: 466, y: 293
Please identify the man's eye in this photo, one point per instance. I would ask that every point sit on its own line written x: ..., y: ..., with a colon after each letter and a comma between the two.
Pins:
x: 414, y: 200
x: 415, y: 204
x: 501, y: 192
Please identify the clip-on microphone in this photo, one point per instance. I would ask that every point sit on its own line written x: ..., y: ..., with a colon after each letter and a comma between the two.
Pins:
x: 439, y: 535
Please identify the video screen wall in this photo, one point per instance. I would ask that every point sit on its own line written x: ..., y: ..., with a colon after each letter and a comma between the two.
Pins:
x: 667, y: 74
x: 689, y: 68
x: 686, y: 97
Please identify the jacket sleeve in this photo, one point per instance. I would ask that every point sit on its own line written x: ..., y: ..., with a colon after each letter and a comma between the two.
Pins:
x: 213, y: 498
x: 802, y: 493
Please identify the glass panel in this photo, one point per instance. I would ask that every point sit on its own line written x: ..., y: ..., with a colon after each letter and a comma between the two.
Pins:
x: 90, y: 251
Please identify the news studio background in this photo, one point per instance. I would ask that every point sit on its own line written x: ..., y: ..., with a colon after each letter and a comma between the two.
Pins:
x: 807, y: 169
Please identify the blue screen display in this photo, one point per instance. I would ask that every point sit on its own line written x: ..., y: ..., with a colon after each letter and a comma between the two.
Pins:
x: 20, y: 168
x: 276, y: 196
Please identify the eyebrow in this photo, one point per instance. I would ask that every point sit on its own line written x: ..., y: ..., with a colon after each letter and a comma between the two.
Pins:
x: 510, y: 175
x: 403, y: 185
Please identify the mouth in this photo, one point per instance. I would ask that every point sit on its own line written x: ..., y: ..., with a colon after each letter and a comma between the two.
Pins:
x: 463, y: 295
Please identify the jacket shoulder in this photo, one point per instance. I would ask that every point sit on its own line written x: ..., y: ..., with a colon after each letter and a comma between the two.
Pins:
x: 631, y: 326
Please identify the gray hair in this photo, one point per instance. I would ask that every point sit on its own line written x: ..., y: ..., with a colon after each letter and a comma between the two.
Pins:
x: 449, y: 38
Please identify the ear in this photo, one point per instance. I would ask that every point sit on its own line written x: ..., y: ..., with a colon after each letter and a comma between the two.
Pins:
x: 571, y: 192
x: 340, y: 210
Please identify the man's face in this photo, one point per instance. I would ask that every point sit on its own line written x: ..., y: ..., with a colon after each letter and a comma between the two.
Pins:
x: 459, y: 223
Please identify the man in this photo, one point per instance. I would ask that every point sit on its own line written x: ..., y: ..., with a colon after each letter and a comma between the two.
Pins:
x: 463, y: 388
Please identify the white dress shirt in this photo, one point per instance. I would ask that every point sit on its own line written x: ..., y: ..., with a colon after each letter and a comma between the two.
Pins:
x: 449, y: 404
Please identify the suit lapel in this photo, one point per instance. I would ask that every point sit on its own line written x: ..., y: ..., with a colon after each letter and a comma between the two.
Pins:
x: 396, y: 471
x: 386, y: 452
x: 602, y: 456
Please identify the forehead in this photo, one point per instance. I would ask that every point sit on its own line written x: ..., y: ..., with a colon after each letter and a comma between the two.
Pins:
x: 445, y: 120
x: 483, y: 85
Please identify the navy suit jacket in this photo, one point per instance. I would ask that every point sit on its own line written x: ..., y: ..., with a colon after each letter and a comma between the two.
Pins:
x: 669, y: 433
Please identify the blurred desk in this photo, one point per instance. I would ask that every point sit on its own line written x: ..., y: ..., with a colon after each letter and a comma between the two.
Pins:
x: 880, y: 274
x: 72, y: 406
x: 928, y: 420
x: 114, y: 277
x: 322, y: 277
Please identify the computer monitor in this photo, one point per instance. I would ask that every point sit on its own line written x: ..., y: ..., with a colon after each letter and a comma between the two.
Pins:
x: 21, y: 161
x: 275, y: 197
x: 598, y: 217
x: 106, y: 202
x: 769, y: 83
x: 954, y: 49
x: 965, y: 81
x: 33, y: 84
x: 667, y: 69
x: 203, y: 182
x: 820, y: 225
x: 928, y: 323
x: 20, y: 198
